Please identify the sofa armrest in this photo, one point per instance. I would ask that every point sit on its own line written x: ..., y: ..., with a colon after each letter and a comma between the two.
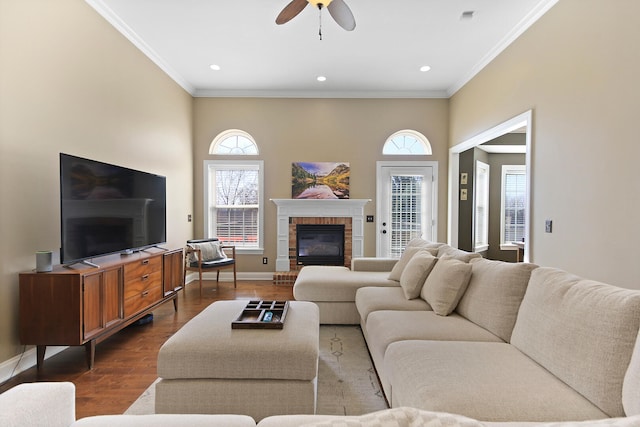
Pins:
x: 46, y: 404
x: 373, y: 264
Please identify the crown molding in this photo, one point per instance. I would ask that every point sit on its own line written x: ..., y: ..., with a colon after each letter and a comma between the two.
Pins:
x: 212, y: 93
x: 109, y: 15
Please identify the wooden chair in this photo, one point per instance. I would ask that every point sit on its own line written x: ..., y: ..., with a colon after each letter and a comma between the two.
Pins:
x: 207, y: 255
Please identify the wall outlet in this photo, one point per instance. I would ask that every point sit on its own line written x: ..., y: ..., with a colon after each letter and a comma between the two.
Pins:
x: 548, y: 226
x: 369, y: 218
x: 265, y: 260
x: 189, y: 218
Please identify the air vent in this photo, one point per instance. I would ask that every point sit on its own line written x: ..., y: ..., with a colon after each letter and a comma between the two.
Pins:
x: 467, y: 14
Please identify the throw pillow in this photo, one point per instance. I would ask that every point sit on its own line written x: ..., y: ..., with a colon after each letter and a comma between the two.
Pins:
x: 210, y: 251
x: 406, y: 256
x: 399, y: 266
x: 446, y: 284
x: 457, y: 253
x: 399, y: 417
x: 415, y: 273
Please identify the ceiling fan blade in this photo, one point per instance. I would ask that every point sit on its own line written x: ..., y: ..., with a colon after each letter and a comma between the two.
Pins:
x: 342, y: 14
x: 290, y: 11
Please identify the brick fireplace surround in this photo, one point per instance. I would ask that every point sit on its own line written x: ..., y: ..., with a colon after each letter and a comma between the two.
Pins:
x: 291, y: 212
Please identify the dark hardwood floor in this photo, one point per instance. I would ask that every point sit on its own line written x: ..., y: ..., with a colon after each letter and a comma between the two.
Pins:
x: 125, y: 364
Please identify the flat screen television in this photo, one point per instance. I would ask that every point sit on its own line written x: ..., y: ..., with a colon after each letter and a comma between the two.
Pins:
x: 106, y: 209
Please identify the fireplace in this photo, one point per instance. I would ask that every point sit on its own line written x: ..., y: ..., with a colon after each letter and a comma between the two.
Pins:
x: 291, y: 212
x: 320, y: 244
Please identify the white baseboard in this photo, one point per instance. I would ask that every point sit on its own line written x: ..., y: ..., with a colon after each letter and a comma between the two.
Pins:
x: 24, y: 361
x: 27, y: 360
x: 226, y: 276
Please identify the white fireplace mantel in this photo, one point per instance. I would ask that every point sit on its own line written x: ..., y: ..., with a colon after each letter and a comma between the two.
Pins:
x: 329, y: 208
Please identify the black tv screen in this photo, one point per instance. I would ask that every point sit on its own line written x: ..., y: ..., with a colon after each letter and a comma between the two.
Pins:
x: 106, y: 209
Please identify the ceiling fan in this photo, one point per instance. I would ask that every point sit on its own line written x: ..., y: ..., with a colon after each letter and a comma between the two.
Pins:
x: 338, y: 10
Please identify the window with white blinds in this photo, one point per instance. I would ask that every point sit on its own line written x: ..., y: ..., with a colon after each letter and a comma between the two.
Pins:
x: 406, y: 211
x: 481, y: 219
x: 233, y: 191
x: 514, y: 196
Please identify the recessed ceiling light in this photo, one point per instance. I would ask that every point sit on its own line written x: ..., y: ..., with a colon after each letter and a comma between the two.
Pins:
x: 425, y: 68
x: 321, y: 78
x: 214, y: 67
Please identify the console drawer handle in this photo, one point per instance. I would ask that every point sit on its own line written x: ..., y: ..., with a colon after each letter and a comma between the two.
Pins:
x: 145, y: 293
x: 145, y: 277
x: 145, y: 262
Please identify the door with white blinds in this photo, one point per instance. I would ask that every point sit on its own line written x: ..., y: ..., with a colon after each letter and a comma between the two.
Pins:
x: 514, y: 202
x: 406, y: 201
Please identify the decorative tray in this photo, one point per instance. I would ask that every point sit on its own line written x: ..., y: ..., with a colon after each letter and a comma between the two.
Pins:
x: 260, y: 314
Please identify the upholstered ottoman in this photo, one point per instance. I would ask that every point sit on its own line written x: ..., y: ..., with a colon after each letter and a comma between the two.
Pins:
x: 209, y: 368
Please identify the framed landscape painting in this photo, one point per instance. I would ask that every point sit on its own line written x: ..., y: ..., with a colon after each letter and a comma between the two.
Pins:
x: 320, y: 180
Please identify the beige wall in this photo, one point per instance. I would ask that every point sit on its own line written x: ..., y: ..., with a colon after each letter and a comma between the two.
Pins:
x: 578, y: 69
x: 69, y: 82
x: 291, y: 130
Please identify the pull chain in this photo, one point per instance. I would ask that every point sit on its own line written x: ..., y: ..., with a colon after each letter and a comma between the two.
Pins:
x: 320, y: 20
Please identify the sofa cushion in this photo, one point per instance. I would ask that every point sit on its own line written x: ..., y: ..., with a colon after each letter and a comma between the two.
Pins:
x: 415, y: 273
x: 582, y: 331
x: 386, y: 327
x: 446, y: 284
x: 482, y: 380
x: 370, y: 299
x: 167, y: 420
x: 298, y: 420
x: 458, y: 254
x: 494, y: 294
x: 373, y: 264
x: 631, y: 385
x: 333, y: 283
x: 398, y: 268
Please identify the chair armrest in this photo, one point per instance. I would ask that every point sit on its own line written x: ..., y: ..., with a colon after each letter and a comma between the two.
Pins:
x: 373, y: 264
x: 45, y: 404
x: 233, y: 250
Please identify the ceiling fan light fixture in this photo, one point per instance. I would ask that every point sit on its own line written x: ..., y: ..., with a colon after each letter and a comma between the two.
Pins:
x: 425, y: 68
x: 320, y: 3
x: 214, y: 67
x: 321, y: 78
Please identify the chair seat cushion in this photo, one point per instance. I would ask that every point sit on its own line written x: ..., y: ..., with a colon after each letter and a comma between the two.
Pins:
x: 216, y: 263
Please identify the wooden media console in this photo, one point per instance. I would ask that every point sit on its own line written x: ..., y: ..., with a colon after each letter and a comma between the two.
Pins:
x: 84, y: 305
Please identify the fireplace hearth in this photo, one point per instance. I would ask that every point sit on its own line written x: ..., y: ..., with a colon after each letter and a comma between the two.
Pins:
x: 320, y: 244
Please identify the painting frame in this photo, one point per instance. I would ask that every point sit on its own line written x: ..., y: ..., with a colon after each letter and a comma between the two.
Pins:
x: 320, y: 180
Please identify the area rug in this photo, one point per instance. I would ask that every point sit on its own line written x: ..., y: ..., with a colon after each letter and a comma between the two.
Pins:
x: 347, y: 381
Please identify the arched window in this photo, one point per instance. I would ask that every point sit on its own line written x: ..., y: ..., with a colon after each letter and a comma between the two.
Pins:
x: 233, y: 193
x: 233, y: 142
x: 406, y: 142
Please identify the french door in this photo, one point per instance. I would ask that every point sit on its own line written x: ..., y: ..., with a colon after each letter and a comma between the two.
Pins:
x: 406, y: 205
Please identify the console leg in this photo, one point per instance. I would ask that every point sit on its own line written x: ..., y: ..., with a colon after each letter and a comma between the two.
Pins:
x: 90, y: 352
x: 40, y: 351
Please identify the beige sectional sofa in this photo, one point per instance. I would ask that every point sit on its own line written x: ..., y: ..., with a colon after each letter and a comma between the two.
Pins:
x: 497, y: 341
x: 53, y: 405
x: 455, y: 338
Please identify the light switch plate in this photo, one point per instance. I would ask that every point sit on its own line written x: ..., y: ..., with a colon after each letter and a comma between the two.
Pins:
x: 548, y: 226
x: 463, y: 178
x: 463, y: 194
